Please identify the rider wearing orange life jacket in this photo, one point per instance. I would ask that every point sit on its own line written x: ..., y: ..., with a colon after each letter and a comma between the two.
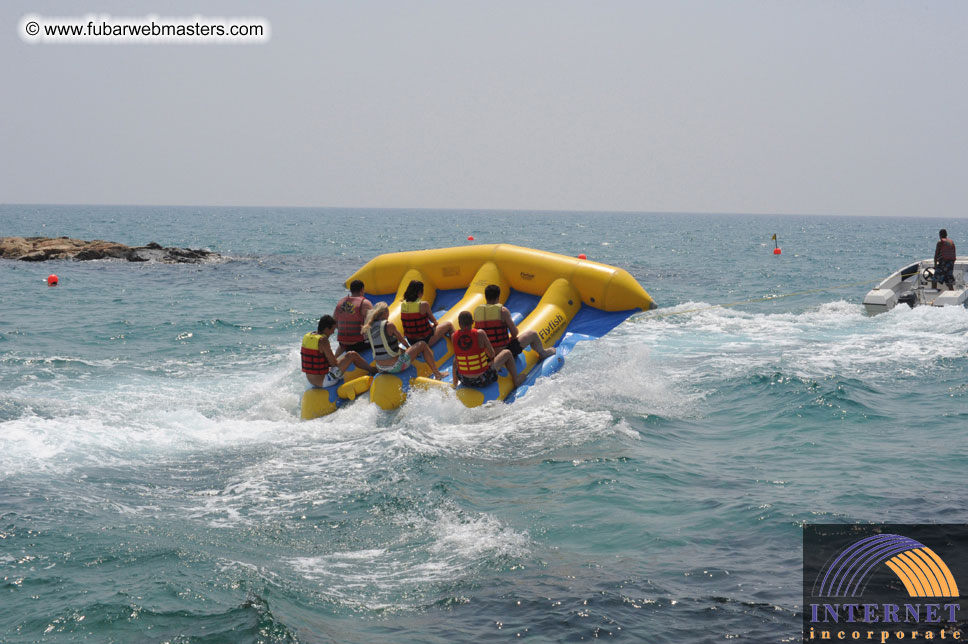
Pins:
x: 475, y: 361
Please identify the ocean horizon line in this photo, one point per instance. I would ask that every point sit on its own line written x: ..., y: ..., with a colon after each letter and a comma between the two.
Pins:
x: 459, y: 210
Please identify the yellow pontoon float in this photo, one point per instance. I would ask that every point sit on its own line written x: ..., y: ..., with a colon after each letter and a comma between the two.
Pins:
x: 563, y: 299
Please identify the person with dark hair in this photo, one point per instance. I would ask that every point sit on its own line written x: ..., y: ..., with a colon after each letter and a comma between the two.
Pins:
x: 321, y: 367
x: 475, y: 361
x: 495, y: 320
x: 391, y: 351
x: 350, y: 313
x: 419, y: 323
x: 944, y: 261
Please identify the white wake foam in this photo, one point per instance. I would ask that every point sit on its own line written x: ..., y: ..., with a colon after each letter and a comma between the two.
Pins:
x: 441, y: 548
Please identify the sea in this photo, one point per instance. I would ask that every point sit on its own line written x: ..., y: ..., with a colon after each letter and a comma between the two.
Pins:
x: 158, y: 486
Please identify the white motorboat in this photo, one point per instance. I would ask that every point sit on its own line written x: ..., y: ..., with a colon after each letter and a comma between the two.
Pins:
x: 912, y: 285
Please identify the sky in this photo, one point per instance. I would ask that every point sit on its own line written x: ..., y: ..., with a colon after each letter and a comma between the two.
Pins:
x: 839, y: 107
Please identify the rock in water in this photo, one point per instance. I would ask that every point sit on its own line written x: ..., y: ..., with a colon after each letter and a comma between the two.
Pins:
x: 39, y: 249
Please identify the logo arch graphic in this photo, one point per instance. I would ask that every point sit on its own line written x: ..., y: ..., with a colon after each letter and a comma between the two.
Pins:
x: 922, y: 572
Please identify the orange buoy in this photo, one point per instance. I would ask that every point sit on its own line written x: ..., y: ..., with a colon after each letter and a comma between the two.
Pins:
x: 776, y: 251
x: 582, y: 256
x: 52, y: 280
x: 470, y: 238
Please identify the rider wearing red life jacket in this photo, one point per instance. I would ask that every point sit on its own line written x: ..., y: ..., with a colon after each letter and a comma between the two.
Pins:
x: 419, y: 323
x: 944, y: 261
x: 350, y: 313
x: 318, y: 360
x: 475, y: 361
x: 314, y: 362
x: 416, y: 322
x: 495, y: 320
x: 490, y: 319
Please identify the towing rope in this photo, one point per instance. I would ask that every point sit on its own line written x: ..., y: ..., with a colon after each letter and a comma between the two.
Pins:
x: 651, y: 315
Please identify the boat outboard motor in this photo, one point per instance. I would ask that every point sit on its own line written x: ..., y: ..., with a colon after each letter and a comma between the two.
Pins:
x: 910, y: 299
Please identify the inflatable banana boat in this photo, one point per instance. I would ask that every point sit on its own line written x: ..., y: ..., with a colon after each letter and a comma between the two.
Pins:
x: 564, y: 300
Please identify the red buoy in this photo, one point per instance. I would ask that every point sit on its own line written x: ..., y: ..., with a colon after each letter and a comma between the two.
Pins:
x: 776, y: 251
x: 470, y: 238
x: 52, y: 280
x: 582, y: 256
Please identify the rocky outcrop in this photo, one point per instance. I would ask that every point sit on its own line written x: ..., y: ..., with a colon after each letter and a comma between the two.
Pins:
x: 39, y: 249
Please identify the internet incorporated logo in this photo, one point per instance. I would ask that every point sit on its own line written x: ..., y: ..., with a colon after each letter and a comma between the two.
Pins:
x: 920, y: 570
x: 906, y: 587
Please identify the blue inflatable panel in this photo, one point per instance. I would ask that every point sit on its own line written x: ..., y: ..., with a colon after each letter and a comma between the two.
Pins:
x: 442, y: 303
x: 546, y: 367
x: 520, y: 305
x: 590, y: 324
x: 446, y: 299
x: 388, y: 298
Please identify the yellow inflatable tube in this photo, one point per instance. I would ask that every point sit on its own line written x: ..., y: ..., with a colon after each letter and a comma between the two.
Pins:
x: 525, y: 269
x: 319, y: 401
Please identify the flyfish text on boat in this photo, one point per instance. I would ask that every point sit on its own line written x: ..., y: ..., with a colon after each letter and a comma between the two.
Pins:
x: 551, y: 327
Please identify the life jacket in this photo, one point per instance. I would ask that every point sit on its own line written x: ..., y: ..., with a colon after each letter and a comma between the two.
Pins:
x: 947, y: 249
x: 488, y: 317
x: 349, y: 320
x: 470, y: 357
x: 313, y: 360
x: 383, y: 347
x: 416, y: 325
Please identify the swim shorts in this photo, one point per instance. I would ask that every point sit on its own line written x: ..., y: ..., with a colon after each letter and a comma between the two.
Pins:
x: 403, y: 362
x: 944, y: 272
x: 482, y: 380
x: 333, y: 376
x: 359, y: 347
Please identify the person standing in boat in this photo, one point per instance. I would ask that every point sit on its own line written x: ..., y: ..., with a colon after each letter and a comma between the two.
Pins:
x: 944, y: 261
x: 391, y: 351
x: 495, y: 320
x: 350, y: 313
x: 321, y: 367
x: 419, y: 323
